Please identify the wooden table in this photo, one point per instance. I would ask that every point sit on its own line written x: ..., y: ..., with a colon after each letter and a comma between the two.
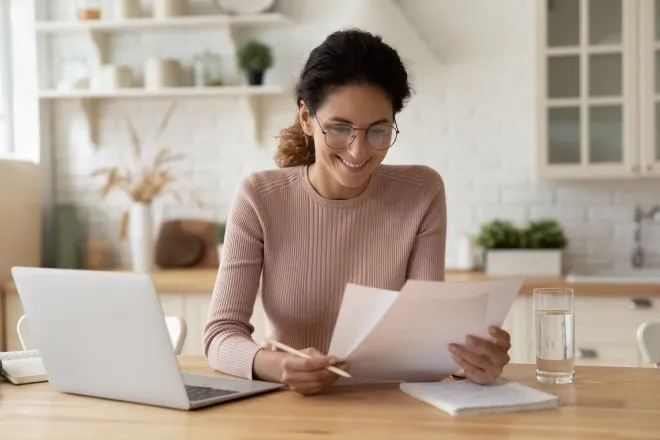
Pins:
x: 604, y: 403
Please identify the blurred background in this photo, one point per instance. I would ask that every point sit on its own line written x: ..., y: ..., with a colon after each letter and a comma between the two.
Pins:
x: 541, y: 116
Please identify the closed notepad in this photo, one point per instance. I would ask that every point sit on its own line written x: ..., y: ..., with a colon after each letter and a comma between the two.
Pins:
x: 468, y: 398
x: 23, y: 371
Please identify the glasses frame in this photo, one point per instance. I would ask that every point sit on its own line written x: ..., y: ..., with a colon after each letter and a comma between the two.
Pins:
x: 355, y: 132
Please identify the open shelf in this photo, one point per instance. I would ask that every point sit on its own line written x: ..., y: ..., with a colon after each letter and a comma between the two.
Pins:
x: 53, y: 27
x: 163, y: 93
x: 89, y: 100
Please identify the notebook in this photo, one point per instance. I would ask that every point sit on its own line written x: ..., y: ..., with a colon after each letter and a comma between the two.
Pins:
x: 464, y: 397
x: 22, y: 367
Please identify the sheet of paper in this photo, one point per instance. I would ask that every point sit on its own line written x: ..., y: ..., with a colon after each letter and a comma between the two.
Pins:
x: 409, y: 340
x: 362, y: 308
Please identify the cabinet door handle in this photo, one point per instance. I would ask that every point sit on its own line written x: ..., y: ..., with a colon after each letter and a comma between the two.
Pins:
x: 586, y: 353
x: 640, y: 303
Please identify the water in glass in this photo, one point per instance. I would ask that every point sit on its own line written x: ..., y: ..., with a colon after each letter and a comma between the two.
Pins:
x: 555, y: 346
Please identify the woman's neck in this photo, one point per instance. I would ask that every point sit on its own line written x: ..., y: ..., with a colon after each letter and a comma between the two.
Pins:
x: 328, y: 187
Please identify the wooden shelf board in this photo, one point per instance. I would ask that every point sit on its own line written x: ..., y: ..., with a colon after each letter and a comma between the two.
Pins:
x: 164, y: 93
x: 153, y: 23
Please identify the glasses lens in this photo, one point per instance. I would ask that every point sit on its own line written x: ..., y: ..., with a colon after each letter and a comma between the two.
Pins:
x: 381, y: 136
x: 339, y: 135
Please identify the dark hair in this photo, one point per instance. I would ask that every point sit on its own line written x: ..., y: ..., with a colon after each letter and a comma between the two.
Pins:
x: 345, y: 57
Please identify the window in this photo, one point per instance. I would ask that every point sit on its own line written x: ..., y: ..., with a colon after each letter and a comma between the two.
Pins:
x: 6, y: 130
x: 6, y: 144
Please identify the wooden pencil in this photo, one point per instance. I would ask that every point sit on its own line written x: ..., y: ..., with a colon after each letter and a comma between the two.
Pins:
x: 291, y: 350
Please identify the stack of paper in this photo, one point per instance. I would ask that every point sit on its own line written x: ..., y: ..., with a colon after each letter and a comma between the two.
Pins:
x: 404, y: 336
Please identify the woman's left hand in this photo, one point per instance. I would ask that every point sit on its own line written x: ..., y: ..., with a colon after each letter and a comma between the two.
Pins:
x: 482, y: 361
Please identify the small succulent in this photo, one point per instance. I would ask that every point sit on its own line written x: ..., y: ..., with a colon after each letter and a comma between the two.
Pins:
x: 544, y: 234
x: 254, y: 56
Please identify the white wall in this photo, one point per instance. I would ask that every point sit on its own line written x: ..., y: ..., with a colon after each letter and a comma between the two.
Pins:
x: 472, y: 119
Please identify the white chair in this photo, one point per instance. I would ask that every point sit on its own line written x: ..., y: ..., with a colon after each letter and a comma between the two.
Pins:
x: 648, y: 340
x: 176, y: 327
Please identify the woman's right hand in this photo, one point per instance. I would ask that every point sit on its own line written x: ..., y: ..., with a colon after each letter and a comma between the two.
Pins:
x: 304, y: 376
x: 309, y: 376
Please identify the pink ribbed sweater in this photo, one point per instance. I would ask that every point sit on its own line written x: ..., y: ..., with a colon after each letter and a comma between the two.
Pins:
x: 309, y: 247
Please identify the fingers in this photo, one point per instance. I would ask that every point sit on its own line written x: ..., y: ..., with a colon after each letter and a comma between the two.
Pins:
x: 309, y: 376
x: 473, y: 372
x: 494, y: 353
x: 472, y: 358
x: 482, y: 360
x: 502, y: 337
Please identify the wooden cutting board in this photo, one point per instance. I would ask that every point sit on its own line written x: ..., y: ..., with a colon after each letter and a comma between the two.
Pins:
x: 187, y: 243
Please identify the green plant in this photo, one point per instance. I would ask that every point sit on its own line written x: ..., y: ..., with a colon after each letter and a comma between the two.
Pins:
x: 254, y: 56
x: 544, y: 234
x: 539, y: 234
x: 499, y: 234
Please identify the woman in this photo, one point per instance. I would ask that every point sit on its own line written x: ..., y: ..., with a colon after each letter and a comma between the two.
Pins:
x: 331, y: 214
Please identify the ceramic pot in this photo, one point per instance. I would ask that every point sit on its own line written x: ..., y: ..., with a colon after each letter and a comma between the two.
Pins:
x: 255, y: 78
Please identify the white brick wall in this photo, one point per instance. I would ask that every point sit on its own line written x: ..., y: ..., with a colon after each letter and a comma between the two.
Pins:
x: 472, y: 119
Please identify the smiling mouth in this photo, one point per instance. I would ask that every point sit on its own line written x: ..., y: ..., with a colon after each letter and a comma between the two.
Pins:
x: 353, y: 165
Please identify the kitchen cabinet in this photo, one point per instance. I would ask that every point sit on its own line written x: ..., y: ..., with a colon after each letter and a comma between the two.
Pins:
x: 192, y: 307
x: 605, y: 326
x: 598, y: 88
x: 605, y: 329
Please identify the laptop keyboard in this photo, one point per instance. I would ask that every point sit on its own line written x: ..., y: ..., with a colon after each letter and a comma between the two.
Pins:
x: 196, y: 393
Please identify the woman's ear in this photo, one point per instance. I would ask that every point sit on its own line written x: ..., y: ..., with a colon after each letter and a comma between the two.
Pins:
x: 306, y: 119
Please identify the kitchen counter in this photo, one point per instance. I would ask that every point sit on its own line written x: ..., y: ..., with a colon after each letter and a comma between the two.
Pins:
x: 203, y: 280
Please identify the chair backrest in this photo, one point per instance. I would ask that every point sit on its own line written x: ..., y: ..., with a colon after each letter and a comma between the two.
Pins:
x: 648, y: 340
x: 176, y: 327
x: 24, y: 334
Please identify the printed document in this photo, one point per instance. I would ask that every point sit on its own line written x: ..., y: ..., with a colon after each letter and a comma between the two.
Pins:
x: 404, y: 336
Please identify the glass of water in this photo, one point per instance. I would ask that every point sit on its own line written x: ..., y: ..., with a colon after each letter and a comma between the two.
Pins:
x: 555, y: 336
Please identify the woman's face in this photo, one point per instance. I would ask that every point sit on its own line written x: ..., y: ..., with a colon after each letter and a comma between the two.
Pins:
x: 349, y: 156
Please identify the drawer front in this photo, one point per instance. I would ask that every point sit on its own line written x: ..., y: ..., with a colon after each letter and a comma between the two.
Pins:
x: 609, y: 355
x: 604, y: 355
x: 614, y: 320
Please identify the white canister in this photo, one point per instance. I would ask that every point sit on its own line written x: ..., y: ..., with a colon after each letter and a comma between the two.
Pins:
x: 465, y: 255
x: 112, y: 77
x: 125, y: 9
x: 169, y: 8
x: 160, y: 73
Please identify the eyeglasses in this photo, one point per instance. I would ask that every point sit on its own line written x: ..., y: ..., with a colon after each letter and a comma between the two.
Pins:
x: 340, y: 135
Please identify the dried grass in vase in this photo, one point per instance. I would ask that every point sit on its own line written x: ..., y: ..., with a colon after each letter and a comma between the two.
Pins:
x: 142, y: 183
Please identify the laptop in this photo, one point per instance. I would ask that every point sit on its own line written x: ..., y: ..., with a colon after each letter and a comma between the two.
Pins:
x: 103, y: 334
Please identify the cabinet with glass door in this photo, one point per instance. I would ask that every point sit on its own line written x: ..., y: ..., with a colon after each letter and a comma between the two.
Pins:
x: 596, y: 88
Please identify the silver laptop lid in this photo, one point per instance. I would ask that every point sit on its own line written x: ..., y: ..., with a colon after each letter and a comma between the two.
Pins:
x: 101, y: 334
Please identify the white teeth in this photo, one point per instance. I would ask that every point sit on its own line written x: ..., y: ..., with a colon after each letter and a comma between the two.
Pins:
x: 353, y: 165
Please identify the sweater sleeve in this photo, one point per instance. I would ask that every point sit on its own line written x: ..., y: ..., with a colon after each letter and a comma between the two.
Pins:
x: 228, y: 343
x: 427, y: 259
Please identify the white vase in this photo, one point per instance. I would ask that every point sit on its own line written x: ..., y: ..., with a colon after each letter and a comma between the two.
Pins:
x: 140, y: 234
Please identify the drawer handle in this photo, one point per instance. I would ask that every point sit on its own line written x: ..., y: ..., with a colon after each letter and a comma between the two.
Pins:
x: 640, y: 303
x: 586, y: 353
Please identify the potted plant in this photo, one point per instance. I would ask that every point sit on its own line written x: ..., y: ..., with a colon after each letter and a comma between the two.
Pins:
x: 533, y: 250
x: 254, y: 58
